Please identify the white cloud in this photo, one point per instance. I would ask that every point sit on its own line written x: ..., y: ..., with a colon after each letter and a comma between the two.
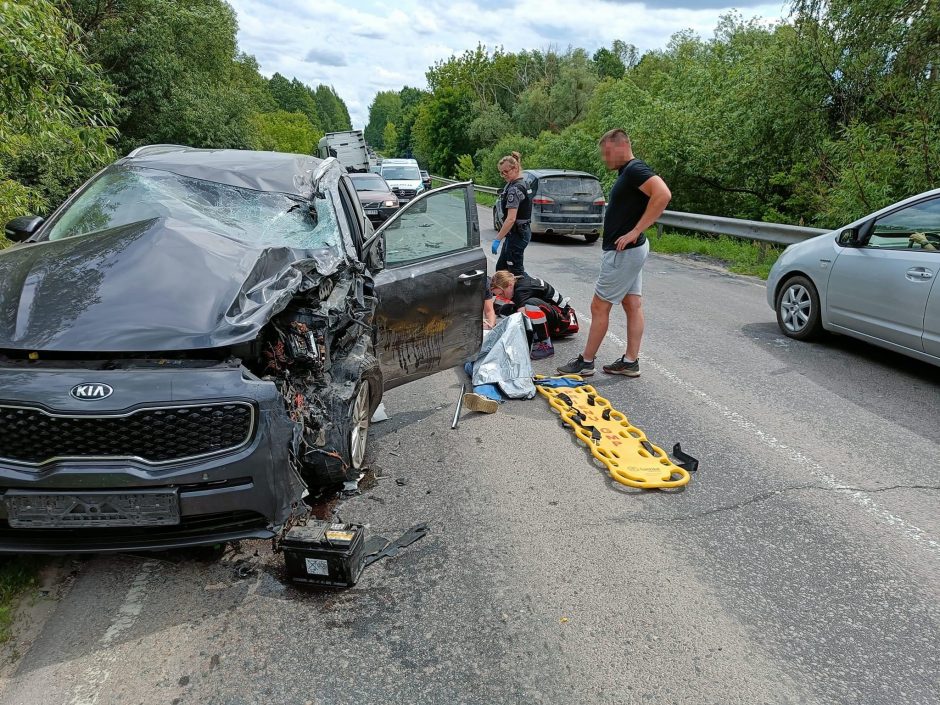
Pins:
x: 370, y: 47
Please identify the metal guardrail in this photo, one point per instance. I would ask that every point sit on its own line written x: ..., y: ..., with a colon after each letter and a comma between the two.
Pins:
x: 776, y: 233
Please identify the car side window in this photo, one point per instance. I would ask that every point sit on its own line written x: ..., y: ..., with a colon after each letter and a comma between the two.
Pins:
x: 436, y: 225
x: 916, y: 227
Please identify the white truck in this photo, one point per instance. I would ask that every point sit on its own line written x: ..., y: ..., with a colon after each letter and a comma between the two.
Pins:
x: 348, y: 147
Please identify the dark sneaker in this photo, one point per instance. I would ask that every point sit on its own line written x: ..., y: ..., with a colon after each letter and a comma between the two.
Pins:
x: 577, y: 366
x: 622, y: 367
x: 478, y: 402
x: 542, y: 350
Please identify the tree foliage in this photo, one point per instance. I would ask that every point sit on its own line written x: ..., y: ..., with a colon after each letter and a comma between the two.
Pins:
x: 57, y: 110
x: 84, y: 80
x: 385, y: 109
x: 816, y: 119
x: 281, y: 131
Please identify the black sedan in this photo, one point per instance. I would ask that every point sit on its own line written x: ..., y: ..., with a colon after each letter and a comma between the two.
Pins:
x: 376, y: 197
x: 196, y: 336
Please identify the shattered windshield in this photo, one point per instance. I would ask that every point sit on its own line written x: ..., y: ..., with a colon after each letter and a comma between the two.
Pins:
x: 125, y: 195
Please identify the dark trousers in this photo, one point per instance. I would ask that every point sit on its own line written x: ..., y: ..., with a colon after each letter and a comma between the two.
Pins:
x: 513, y: 250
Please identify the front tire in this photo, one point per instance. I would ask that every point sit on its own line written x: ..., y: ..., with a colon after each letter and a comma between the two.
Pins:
x: 592, y: 238
x: 798, y: 309
x: 360, y: 418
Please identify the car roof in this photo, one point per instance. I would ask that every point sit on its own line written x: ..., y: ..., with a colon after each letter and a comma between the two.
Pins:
x: 541, y: 173
x: 277, y: 172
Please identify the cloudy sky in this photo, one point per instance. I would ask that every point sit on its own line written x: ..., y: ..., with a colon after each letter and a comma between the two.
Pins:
x: 364, y: 46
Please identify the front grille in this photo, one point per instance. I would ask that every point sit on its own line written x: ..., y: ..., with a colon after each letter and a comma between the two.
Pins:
x: 153, y: 435
x: 407, y: 193
x: 372, y: 204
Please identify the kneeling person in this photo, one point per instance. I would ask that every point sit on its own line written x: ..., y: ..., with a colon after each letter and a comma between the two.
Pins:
x: 549, y: 312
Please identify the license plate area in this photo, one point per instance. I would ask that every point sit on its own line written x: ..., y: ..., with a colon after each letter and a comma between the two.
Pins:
x: 574, y: 209
x: 66, y: 510
x: 372, y: 211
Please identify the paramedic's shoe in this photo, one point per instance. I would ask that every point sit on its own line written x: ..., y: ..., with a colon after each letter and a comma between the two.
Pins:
x: 478, y: 402
x: 542, y: 350
x: 621, y: 367
x: 577, y: 366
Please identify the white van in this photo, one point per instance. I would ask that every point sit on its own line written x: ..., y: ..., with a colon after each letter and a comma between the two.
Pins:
x: 349, y: 147
x: 404, y: 178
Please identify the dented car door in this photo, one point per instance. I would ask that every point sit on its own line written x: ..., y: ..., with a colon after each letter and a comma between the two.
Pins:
x: 429, y: 316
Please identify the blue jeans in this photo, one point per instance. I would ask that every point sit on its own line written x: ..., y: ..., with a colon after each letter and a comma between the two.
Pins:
x: 490, y: 391
x: 513, y: 250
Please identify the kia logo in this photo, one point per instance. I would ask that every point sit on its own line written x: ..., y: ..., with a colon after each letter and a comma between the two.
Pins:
x: 91, y: 392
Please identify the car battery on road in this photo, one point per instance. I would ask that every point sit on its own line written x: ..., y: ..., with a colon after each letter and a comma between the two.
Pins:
x: 324, y: 554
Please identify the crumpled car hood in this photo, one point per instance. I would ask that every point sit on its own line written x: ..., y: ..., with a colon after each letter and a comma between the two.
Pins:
x: 154, y: 285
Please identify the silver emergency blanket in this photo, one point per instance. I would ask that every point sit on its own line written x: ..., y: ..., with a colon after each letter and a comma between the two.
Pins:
x: 504, y: 359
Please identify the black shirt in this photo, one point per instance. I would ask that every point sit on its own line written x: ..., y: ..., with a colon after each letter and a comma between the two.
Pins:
x: 627, y: 203
x: 515, y: 195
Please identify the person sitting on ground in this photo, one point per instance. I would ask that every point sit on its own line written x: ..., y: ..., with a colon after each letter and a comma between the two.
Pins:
x: 547, y: 310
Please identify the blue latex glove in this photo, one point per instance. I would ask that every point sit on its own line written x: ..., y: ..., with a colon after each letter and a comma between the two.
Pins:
x: 495, y: 248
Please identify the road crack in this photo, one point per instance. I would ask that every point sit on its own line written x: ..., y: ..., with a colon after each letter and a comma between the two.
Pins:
x: 763, y: 496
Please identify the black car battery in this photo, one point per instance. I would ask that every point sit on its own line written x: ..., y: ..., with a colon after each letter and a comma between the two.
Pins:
x: 325, y: 554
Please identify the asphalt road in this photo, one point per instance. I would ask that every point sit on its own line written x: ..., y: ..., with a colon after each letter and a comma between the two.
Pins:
x: 801, y: 565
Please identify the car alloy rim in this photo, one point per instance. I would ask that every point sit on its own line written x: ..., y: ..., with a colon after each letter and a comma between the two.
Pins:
x: 795, y: 308
x: 360, y: 429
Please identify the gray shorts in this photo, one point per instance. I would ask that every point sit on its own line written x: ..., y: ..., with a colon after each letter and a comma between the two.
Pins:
x: 621, y: 273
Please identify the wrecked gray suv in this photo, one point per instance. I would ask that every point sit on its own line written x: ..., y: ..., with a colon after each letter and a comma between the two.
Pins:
x: 196, y: 337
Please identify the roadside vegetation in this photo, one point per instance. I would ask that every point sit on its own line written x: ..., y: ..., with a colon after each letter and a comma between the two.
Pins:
x: 85, y: 81
x: 814, y: 120
x: 739, y: 256
x: 16, y: 576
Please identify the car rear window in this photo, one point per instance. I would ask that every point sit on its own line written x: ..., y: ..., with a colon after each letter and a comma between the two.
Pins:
x: 125, y: 195
x: 370, y: 183
x: 570, y: 186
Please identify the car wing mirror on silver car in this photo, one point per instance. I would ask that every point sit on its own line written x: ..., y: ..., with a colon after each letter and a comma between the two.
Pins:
x: 849, y: 238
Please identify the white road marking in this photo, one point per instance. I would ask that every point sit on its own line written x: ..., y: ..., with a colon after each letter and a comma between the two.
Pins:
x: 864, y: 500
x: 95, y: 676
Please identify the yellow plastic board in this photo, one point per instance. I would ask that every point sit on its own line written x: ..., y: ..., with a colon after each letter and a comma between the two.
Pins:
x: 629, y: 456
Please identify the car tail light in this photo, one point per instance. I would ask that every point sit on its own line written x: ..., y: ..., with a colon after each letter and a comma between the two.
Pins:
x: 600, y: 202
x: 542, y: 201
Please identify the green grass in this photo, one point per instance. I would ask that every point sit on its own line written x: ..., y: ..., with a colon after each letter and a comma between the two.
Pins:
x: 739, y: 256
x: 16, y: 576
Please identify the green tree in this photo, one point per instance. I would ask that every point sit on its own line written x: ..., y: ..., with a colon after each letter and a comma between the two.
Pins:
x: 177, y: 68
x: 295, y: 97
x: 334, y: 116
x: 608, y: 64
x: 385, y: 109
x: 57, y: 110
x: 441, y: 130
x: 281, y: 131
x: 390, y: 139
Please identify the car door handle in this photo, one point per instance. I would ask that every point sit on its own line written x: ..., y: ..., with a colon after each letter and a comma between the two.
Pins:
x: 919, y: 274
x: 467, y: 276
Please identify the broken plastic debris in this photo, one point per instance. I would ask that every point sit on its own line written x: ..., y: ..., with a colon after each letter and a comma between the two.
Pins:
x: 380, y: 415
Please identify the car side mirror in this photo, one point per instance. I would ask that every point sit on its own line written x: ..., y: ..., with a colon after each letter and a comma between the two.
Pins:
x: 22, y: 228
x: 849, y: 238
x: 374, y: 253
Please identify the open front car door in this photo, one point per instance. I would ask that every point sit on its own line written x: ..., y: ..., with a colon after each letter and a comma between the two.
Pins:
x: 429, y: 316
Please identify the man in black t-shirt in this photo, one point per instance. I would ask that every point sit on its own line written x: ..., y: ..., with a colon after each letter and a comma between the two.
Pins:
x: 637, y: 199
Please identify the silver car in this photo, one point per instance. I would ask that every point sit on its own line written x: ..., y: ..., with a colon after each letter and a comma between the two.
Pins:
x: 874, y: 280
